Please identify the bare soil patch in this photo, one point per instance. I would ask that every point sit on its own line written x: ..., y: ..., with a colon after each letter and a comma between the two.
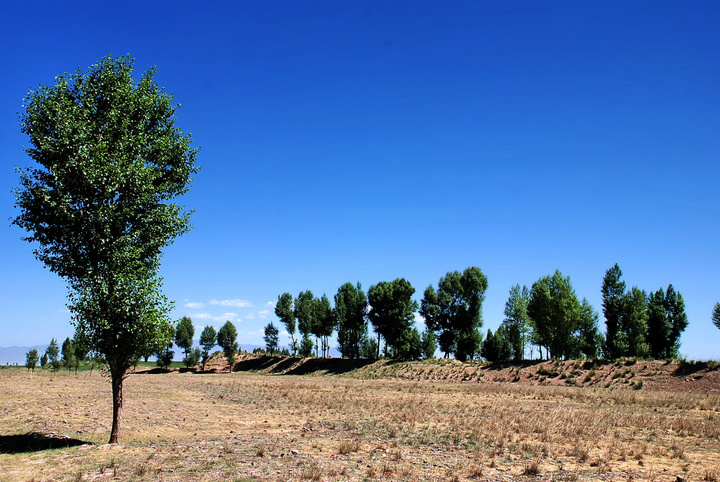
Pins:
x: 255, y: 426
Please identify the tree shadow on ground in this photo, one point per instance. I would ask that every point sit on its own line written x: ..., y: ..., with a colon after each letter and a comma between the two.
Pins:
x: 35, y: 442
x: 688, y: 368
x: 255, y: 364
x: 333, y: 366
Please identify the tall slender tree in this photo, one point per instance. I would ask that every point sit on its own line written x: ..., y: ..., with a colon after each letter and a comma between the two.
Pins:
x: 31, y: 359
x: 716, y: 315
x: 325, y: 323
x: 208, y: 339
x: 69, y: 360
x: 666, y: 322
x: 658, y: 335
x: 305, y: 312
x: 351, y: 314
x: 613, y: 297
x: 99, y: 206
x: 184, y: 333
x: 53, y: 354
x: 227, y: 339
x: 517, y: 321
x: 634, y: 322
x: 284, y: 311
x: 271, y: 338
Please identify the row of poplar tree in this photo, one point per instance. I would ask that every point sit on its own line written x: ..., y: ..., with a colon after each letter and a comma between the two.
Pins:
x: 548, y: 316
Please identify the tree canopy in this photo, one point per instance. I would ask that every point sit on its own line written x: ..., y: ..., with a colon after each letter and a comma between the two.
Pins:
x: 351, y: 315
x: 454, y: 311
x: 99, y: 207
x: 184, y: 333
x: 392, y: 312
x: 227, y: 339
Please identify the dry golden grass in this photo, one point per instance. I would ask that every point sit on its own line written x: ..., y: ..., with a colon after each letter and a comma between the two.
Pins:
x: 257, y: 427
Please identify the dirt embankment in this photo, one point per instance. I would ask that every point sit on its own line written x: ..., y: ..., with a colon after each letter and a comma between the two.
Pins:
x: 697, y: 377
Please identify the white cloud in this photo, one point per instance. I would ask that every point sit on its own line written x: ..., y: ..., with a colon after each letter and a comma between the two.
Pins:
x: 194, y: 305
x: 221, y: 318
x: 271, y: 304
x: 263, y: 313
x: 234, y: 303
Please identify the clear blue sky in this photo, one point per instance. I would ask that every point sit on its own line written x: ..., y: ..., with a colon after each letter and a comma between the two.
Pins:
x: 369, y: 140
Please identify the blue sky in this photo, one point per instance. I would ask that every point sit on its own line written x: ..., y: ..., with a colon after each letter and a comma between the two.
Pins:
x: 369, y: 140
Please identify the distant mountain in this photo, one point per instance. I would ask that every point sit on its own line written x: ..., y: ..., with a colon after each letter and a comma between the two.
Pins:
x: 11, y: 355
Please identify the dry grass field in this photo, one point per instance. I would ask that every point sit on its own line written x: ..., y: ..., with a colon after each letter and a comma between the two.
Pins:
x: 248, y: 426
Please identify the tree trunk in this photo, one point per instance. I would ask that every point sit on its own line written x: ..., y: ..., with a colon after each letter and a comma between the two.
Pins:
x: 117, y: 378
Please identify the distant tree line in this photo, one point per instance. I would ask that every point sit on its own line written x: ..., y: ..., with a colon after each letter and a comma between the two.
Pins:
x: 548, y: 318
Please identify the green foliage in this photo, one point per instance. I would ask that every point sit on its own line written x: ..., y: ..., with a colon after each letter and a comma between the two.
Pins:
x: 165, y: 356
x: 588, y: 339
x: 81, y: 346
x: 666, y: 321
x: 408, y: 346
x: 554, y: 310
x: 429, y: 344
x: 271, y: 337
x: 284, y: 311
x: 31, y: 359
x: 43, y: 360
x: 306, y: 346
x: 392, y: 310
x: 208, y: 339
x: 613, y: 293
x: 635, y: 322
x: 351, y: 314
x: 99, y: 206
x: 184, y: 333
x: 497, y: 347
x: 304, y: 309
x: 69, y: 360
x: 325, y: 323
x: 53, y: 354
x: 716, y: 315
x: 227, y: 339
x: 454, y: 311
x: 193, y: 358
x: 517, y: 322
x: 369, y: 349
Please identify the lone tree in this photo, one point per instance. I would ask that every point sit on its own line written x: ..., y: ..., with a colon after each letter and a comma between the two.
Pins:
x: 99, y: 206
x: 716, y: 315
